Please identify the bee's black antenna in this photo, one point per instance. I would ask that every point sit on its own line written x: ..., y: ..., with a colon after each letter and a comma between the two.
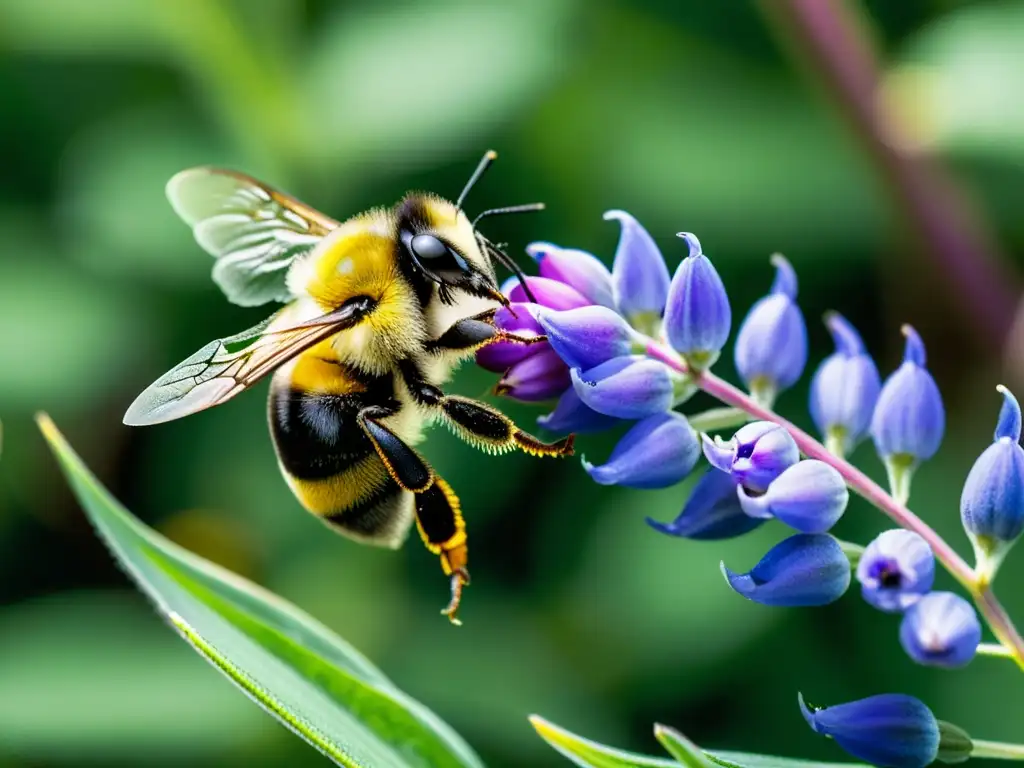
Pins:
x: 527, y: 208
x: 506, y: 261
x: 489, y: 157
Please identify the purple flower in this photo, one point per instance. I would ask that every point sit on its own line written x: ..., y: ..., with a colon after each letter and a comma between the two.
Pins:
x: 628, y: 387
x: 845, y: 387
x: 712, y: 512
x: 517, y: 318
x: 572, y: 415
x: 771, y: 347
x: 697, y: 316
x: 657, y: 452
x: 909, y: 420
x: 756, y: 454
x: 941, y: 630
x: 809, y: 496
x: 639, y: 275
x: 890, y: 730
x: 895, y: 570
x: 540, y: 376
x: 992, y: 503
x: 577, y: 269
x: 549, y: 293
x: 588, y: 336
x: 807, y: 569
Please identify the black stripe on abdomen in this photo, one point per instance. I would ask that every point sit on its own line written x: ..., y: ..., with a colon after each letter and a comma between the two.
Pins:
x: 317, y: 435
x: 377, y: 515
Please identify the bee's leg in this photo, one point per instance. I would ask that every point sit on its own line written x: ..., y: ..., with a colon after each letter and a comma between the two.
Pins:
x: 440, y: 523
x: 472, y: 333
x: 478, y: 423
x: 438, y: 516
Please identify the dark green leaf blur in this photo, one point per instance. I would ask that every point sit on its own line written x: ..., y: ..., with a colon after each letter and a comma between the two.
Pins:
x: 689, y: 115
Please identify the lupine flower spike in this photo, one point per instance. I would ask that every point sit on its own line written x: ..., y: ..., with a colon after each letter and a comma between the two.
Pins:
x: 771, y: 347
x: 895, y: 570
x: 909, y: 420
x: 804, y: 570
x: 844, y: 389
x: 992, y: 504
x: 941, y: 629
x: 697, y: 317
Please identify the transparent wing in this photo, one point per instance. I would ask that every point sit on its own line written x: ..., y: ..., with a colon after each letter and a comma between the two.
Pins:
x: 254, y: 231
x: 225, y: 367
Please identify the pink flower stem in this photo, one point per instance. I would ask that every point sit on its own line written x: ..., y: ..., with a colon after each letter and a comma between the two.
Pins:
x: 1001, y: 624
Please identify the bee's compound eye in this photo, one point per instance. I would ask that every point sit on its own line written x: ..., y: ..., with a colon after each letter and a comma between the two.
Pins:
x: 428, y: 247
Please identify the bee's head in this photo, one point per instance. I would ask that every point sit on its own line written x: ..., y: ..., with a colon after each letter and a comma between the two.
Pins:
x: 439, y: 243
x: 444, y: 246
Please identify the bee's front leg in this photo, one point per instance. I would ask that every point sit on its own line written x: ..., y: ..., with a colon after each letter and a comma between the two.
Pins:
x: 472, y: 333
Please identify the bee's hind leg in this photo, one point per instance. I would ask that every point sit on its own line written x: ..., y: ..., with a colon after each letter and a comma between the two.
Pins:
x: 438, y: 516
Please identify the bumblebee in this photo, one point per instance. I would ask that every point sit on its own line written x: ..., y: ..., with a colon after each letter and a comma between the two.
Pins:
x: 379, y: 310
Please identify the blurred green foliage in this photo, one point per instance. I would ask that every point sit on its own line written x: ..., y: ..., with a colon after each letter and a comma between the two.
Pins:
x: 683, y: 113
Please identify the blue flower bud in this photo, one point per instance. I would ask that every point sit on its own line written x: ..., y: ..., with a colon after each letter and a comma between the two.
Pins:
x: 639, y: 275
x: 845, y: 387
x: 909, y: 420
x: 578, y: 269
x: 657, y: 452
x: 712, y: 512
x: 895, y: 570
x: 992, y: 503
x: 941, y: 630
x: 810, y: 496
x: 697, y: 316
x: 572, y: 415
x: 587, y: 336
x: 889, y: 730
x: 771, y: 347
x: 804, y: 570
x: 628, y: 387
x: 756, y: 454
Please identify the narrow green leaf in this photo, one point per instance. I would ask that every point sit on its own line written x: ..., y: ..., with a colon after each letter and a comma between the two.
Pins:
x: 589, y: 753
x: 292, y: 666
x: 680, y: 747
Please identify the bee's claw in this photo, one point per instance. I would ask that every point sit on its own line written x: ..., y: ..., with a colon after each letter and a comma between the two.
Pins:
x: 460, y: 579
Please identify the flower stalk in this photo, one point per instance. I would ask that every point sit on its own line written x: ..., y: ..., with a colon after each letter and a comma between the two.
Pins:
x: 997, y: 750
x: 990, y: 607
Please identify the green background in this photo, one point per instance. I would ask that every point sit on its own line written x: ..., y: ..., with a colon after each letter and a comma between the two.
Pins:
x: 688, y: 115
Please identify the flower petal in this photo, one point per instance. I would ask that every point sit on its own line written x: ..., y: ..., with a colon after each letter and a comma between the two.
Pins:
x: 809, y: 496
x: 804, y: 570
x: 657, y: 452
x: 895, y: 570
x: 697, y: 316
x: 549, y: 293
x: 941, y: 630
x: 639, y: 274
x: 629, y: 387
x: 889, y: 730
x: 578, y: 269
x: 587, y: 336
x: 572, y: 415
x: 541, y: 376
x: 712, y: 512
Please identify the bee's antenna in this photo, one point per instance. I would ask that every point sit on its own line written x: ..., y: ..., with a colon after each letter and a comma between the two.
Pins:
x: 527, y: 208
x: 506, y: 261
x: 489, y: 157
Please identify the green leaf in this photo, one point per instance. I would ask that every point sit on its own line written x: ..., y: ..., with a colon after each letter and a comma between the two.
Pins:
x: 590, y: 754
x: 680, y: 747
x: 292, y: 666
